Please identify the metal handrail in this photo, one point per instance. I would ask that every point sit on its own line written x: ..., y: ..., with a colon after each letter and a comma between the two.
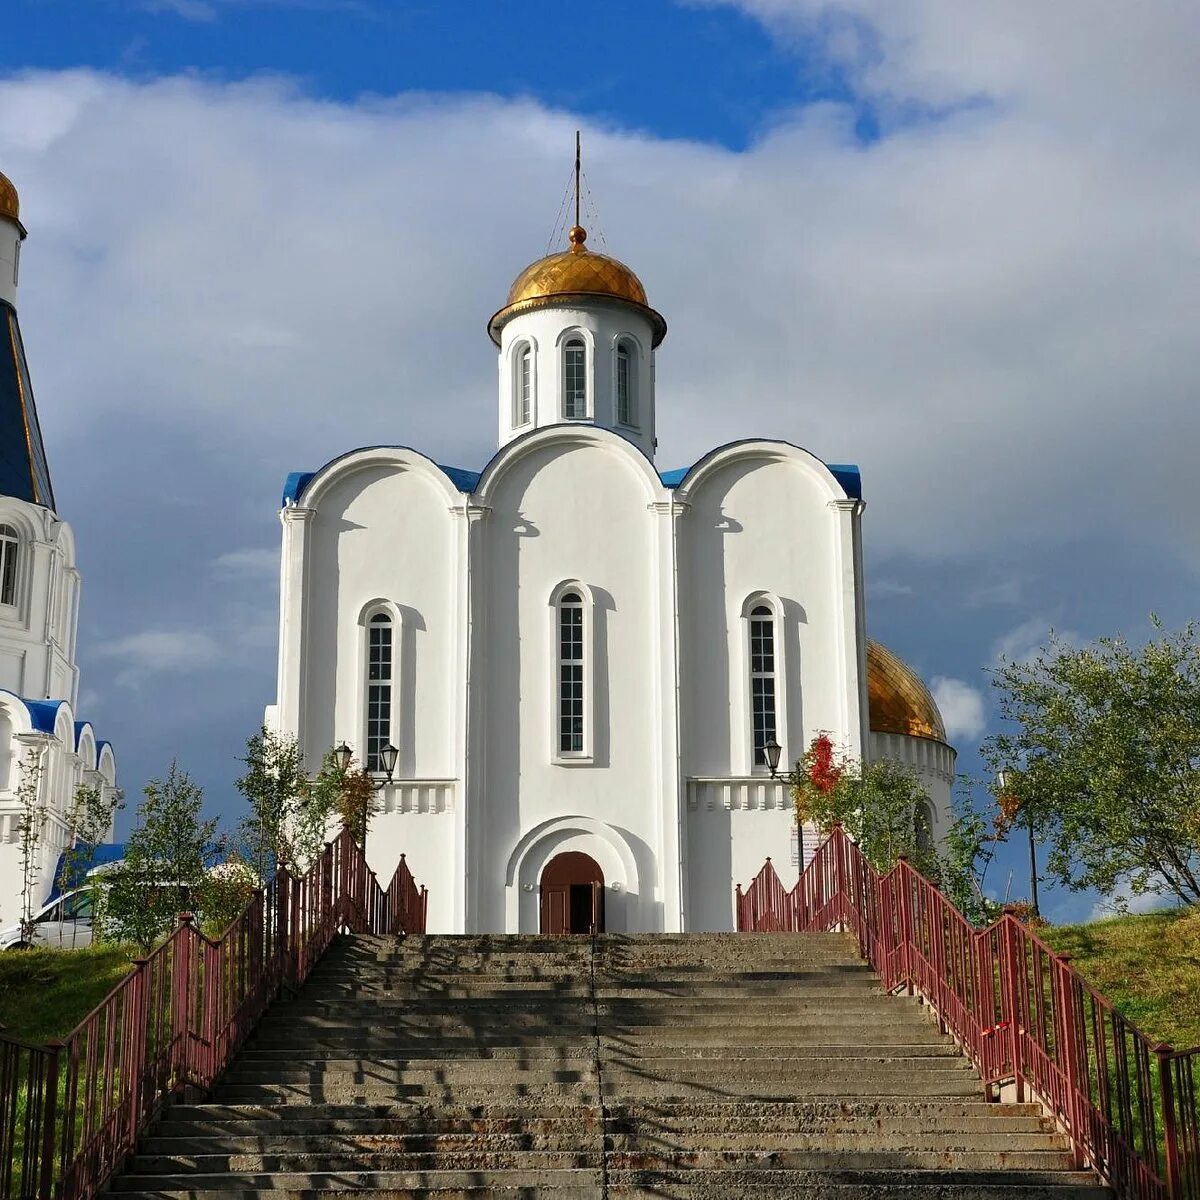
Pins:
x: 1020, y: 1012
x: 71, y: 1111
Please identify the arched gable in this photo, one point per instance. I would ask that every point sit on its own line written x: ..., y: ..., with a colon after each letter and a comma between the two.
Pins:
x: 106, y: 762
x: 17, y: 714
x: 760, y: 450
x: 85, y: 744
x: 521, y: 447
x: 401, y: 458
x: 614, y: 853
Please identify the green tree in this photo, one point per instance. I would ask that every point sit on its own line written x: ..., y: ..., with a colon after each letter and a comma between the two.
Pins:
x: 272, y: 786
x: 164, y: 869
x: 1104, y: 741
x: 89, y: 818
x: 885, y: 808
x: 31, y: 829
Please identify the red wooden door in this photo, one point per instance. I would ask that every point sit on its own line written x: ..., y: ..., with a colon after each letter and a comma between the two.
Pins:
x: 572, y: 895
x: 556, y: 910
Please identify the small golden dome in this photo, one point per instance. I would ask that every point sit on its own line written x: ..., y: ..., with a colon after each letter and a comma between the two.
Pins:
x: 898, y: 700
x: 10, y: 202
x: 577, y: 272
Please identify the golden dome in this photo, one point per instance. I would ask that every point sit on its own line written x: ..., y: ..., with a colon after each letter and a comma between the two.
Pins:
x: 10, y: 203
x: 898, y: 701
x: 577, y: 272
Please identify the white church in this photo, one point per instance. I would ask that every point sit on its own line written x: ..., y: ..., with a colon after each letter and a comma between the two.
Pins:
x: 42, y: 737
x: 565, y: 670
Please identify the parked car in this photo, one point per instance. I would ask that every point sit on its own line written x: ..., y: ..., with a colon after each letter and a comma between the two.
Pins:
x: 64, y: 923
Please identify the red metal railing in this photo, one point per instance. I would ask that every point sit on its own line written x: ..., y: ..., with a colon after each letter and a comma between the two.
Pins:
x: 1020, y: 1011
x: 70, y: 1112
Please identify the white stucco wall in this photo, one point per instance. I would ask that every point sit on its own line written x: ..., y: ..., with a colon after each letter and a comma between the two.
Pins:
x: 602, y: 326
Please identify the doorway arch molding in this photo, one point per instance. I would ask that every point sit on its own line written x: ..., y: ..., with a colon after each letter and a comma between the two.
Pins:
x: 540, y: 844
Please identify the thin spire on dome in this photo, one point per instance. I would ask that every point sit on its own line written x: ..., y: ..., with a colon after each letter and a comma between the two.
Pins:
x: 577, y: 235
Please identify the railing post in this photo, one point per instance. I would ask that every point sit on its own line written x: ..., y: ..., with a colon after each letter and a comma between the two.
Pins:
x: 137, y: 1017
x: 1009, y: 992
x: 283, y: 893
x: 181, y: 989
x: 906, y: 920
x: 1068, y: 1017
x: 1166, y: 1081
x: 50, y: 1122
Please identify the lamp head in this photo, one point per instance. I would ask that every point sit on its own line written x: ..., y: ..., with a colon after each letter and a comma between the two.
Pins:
x: 773, y: 750
x: 387, y: 759
x: 342, y: 755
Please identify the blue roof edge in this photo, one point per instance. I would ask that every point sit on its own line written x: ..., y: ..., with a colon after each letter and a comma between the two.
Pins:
x: 847, y: 474
x: 297, y: 481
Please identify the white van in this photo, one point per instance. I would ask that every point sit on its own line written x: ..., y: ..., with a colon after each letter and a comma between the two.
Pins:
x: 65, y: 923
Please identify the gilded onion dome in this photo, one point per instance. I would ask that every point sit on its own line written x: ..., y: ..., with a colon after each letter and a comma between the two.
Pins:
x: 574, y: 274
x: 898, y: 700
x: 10, y: 202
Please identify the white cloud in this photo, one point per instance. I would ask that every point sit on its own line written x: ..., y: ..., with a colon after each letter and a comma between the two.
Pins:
x: 161, y: 650
x: 966, y: 307
x: 251, y: 562
x: 961, y: 707
x: 1024, y: 642
x: 1125, y: 901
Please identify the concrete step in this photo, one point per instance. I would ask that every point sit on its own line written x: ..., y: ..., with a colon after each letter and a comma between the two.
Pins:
x: 730, y: 1067
x: 569, y: 1138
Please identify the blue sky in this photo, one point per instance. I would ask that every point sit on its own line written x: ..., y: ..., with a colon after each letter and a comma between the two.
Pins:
x: 714, y: 74
x: 951, y: 241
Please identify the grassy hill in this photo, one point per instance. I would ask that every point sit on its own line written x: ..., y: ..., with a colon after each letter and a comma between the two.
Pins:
x: 1148, y: 965
x: 44, y: 994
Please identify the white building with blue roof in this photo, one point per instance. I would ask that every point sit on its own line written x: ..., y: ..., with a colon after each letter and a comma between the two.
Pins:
x: 578, y: 663
x: 41, y: 735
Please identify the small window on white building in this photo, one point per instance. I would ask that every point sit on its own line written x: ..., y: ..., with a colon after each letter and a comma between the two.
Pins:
x: 522, y: 385
x: 380, y: 663
x: 570, y: 674
x: 626, y: 387
x: 10, y: 545
x: 762, y: 681
x: 923, y: 826
x: 574, y: 406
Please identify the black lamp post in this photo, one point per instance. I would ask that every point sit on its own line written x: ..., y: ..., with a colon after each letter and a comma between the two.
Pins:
x: 1005, y: 781
x: 773, y: 750
x: 387, y: 760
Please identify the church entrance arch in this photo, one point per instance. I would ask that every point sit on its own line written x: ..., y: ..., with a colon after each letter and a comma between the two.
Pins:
x: 572, y: 887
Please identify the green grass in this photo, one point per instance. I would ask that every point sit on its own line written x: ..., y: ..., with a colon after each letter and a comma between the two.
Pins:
x: 1147, y: 965
x: 44, y: 994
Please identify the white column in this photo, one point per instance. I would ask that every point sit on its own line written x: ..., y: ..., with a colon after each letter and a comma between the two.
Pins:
x: 293, y: 610
x: 672, y: 844
x: 470, y: 736
x: 851, y: 631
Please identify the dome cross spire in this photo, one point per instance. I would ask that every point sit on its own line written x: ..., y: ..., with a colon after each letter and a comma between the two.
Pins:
x: 578, y: 234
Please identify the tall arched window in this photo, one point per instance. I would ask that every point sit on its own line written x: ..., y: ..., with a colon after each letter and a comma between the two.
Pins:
x: 522, y: 385
x: 570, y: 674
x: 923, y: 825
x: 9, y: 546
x: 574, y: 379
x: 380, y: 667
x: 626, y: 386
x: 762, y: 681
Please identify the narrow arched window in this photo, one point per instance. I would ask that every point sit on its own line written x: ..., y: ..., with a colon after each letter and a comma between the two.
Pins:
x: 570, y: 674
x: 10, y: 544
x: 574, y: 380
x: 522, y: 385
x: 380, y: 663
x: 923, y: 826
x: 762, y: 680
x: 626, y: 387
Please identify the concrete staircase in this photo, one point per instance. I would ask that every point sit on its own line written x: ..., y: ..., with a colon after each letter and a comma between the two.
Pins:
x: 717, y: 1066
